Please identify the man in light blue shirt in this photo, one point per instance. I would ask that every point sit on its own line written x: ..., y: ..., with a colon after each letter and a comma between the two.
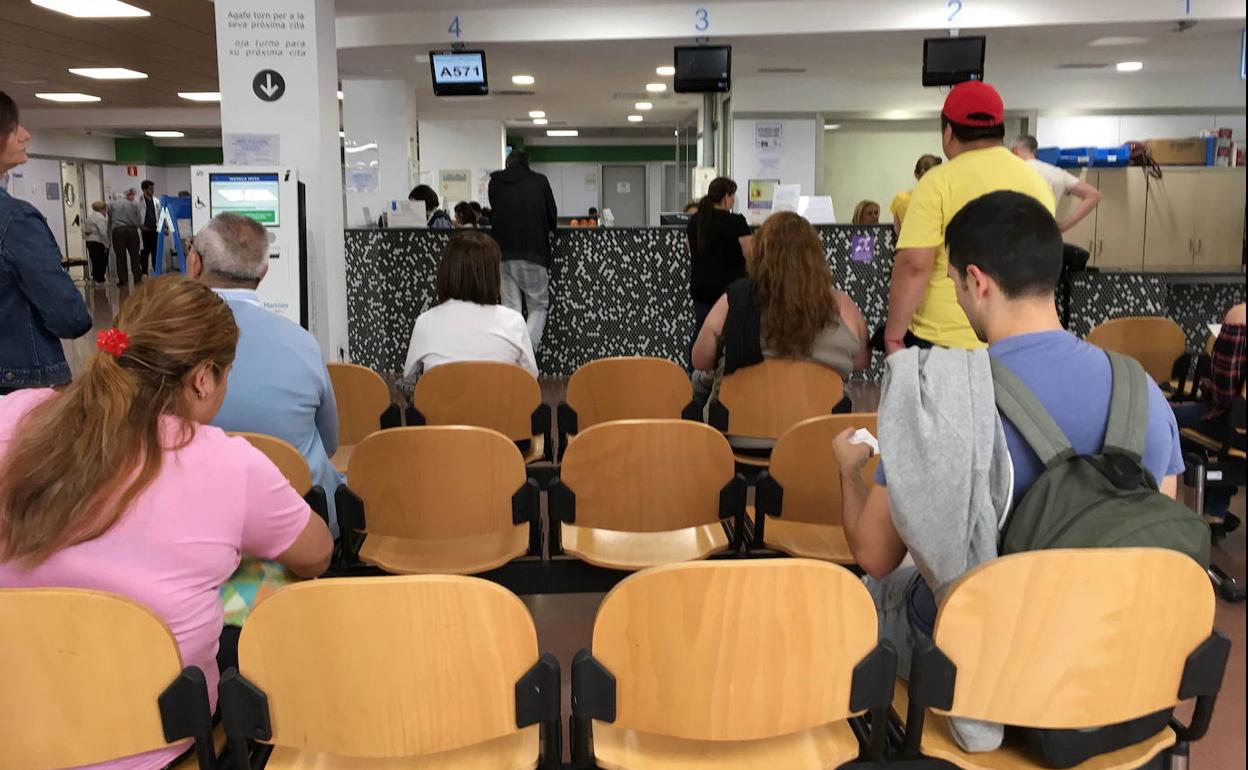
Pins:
x: 279, y: 385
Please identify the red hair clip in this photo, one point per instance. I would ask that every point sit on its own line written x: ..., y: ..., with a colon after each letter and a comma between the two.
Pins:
x: 113, y: 341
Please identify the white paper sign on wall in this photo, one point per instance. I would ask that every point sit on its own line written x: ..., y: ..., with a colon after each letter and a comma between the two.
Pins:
x: 623, y: 188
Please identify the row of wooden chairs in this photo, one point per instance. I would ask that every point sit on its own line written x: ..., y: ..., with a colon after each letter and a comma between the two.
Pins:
x: 713, y: 664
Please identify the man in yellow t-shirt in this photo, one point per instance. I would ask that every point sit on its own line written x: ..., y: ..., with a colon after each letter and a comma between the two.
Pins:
x: 922, y: 306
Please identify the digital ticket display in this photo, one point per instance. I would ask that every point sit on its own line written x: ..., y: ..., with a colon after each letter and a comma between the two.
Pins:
x: 459, y: 73
x: 252, y: 195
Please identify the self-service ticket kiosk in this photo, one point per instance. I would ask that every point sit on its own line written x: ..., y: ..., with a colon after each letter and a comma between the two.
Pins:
x: 274, y: 197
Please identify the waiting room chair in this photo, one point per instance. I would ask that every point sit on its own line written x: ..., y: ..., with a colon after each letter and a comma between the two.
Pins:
x: 293, y: 466
x: 732, y: 665
x: 798, y: 500
x: 487, y: 394
x: 436, y: 500
x: 364, y: 406
x: 90, y: 677
x: 1218, y: 461
x: 637, y: 493
x: 765, y: 400
x: 624, y: 389
x: 431, y: 672
x: 1155, y: 342
x: 1068, y: 640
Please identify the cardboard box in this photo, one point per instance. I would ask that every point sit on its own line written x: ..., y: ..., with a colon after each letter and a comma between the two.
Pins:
x: 1182, y: 152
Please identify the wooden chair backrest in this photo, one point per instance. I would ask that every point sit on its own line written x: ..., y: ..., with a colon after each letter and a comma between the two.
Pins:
x: 487, y: 394
x: 362, y: 396
x: 1069, y: 639
x: 287, y: 459
x: 628, y: 389
x: 647, y: 475
x: 799, y: 462
x: 733, y: 651
x: 436, y: 482
x: 766, y: 399
x: 1155, y: 342
x: 389, y: 666
x: 83, y: 673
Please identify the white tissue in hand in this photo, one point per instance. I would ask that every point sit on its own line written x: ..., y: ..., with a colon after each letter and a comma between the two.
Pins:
x: 863, y: 436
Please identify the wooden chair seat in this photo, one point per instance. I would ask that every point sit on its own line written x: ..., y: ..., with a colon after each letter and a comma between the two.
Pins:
x: 218, y: 748
x: 458, y: 556
x: 811, y: 541
x: 1191, y: 434
x: 614, y: 549
x: 342, y: 458
x: 820, y: 748
x: 938, y: 742
x: 751, y: 460
x: 518, y: 751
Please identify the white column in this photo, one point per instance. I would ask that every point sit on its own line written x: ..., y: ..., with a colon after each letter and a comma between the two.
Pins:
x: 295, y: 38
x: 379, y: 119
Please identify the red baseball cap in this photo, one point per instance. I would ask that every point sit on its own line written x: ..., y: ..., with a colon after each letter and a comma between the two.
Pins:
x: 974, y: 103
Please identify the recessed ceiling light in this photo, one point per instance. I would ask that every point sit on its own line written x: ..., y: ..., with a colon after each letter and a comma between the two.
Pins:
x: 537, y: 114
x: 1129, y: 66
x: 562, y: 132
x: 74, y: 97
x: 665, y: 71
x: 1106, y: 42
x: 523, y: 80
x: 165, y: 134
x: 540, y: 121
x: 831, y: 126
x: 634, y: 118
x: 656, y: 88
x: 342, y: 134
x: 108, y: 73
x: 643, y: 106
x: 340, y: 96
x: 201, y: 96
x: 92, y: 9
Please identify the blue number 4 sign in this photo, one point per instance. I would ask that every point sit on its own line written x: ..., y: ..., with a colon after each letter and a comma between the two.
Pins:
x: 454, y: 29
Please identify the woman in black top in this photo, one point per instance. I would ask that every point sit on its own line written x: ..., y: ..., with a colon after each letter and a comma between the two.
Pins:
x: 719, y: 241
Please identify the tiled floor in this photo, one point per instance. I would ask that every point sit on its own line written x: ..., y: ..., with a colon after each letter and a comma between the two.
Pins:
x: 565, y: 621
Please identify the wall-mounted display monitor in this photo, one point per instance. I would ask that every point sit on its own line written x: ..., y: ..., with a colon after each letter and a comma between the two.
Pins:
x: 458, y: 73
x: 252, y: 195
x: 703, y: 69
x: 948, y: 61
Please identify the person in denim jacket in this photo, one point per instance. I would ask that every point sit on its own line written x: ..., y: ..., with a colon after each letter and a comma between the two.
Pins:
x: 39, y: 305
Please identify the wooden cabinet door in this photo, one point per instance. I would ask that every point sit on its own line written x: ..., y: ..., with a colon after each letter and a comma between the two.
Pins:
x: 1219, y: 222
x: 1120, y: 219
x: 1170, y: 236
x: 1083, y: 234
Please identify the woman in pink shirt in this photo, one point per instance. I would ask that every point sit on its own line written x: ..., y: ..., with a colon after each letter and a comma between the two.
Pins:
x: 117, y: 483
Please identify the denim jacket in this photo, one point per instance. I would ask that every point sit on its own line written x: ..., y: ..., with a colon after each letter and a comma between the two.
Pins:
x: 39, y: 304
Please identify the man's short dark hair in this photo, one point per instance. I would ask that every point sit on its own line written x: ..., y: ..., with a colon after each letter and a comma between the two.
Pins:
x: 146, y: 183
x: 968, y: 134
x: 517, y: 156
x: 1028, y: 141
x: 470, y: 270
x: 425, y: 194
x: 1010, y: 236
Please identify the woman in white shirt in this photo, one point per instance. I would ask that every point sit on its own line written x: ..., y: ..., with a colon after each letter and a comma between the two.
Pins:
x: 469, y: 323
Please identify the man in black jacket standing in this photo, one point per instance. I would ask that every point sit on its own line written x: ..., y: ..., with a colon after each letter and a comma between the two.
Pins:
x: 522, y: 218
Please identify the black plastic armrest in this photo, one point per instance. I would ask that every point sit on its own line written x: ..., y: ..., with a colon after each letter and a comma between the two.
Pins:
x: 245, y: 714
x: 561, y: 504
x: 872, y: 690
x: 184, y: 713
x: 539, y: 425
x: 593, y: 697
x: 538, y: 702
x: 318, y: 501
x: 732, y: 506
x: 693, y: 411
x: 768, y: 501
x: 1202, y: 679
x: 526, y: 509
x: 717, y: 415
x: 566, y: 418
x: 932, y: 677
x: 392, y: 417
x: 414, y: 417
x: 351, y: 523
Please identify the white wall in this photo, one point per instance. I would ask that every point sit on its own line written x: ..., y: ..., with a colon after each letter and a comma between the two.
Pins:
x: 793, y: 162
x: 380, y: 112
x: 476, y: 145
x: 117, y: 181
x: 28, y: 182
x: 177, y: 179
x: 576, y: 186
x: 1113, y: 130
x: 71, y: 145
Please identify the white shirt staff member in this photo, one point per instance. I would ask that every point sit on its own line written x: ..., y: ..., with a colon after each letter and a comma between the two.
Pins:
x: 1061, y: 181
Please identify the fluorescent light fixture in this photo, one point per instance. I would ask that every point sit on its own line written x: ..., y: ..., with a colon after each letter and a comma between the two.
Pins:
x: 634, y: 118
x: 200, y: 96
x: 831, y: 126
x: 1129, y: 66
x: 92, y: 9
x: 73, y: 97
x: 540, y: 121
x: 340, y: 96
x: 1109, y: 42
x: 108, y: 73
x: 656, y: 88
x: 666, y: 71
x: 362, y: 147
x: 523, y: 80
x: 165, y: 134
x: 562, y: 132
x: 643, y: 106
x: 537, y: 114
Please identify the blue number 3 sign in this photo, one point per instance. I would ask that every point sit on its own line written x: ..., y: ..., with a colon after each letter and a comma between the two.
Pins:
x: 702, y: 20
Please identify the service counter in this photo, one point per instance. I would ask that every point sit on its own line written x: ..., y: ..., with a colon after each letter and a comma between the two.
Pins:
x: 624, y: 291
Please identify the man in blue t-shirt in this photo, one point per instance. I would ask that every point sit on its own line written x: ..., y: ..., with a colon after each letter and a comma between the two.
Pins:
x: 1005, y: 258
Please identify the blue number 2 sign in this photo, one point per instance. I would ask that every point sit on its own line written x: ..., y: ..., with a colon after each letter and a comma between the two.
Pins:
x: 701, y: 20
x: 454, y: 28
x: 956, y: 5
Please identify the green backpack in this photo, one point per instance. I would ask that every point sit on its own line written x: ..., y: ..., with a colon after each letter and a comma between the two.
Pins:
x: 1107, y: 500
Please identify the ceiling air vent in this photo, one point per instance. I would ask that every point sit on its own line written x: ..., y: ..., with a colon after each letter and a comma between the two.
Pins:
x: 781, y: 70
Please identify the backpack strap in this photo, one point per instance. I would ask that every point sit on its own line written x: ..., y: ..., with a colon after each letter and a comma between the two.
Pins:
x: 1127, y: 428
x: 1033, y: 422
